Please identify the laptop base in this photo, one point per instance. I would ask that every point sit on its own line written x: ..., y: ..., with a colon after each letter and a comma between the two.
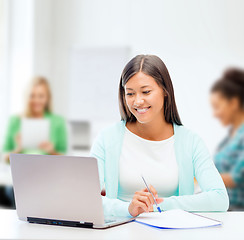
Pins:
x: 59, y: 222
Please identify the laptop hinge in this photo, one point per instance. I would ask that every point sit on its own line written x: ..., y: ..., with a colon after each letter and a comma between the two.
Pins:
x: 60, y: 222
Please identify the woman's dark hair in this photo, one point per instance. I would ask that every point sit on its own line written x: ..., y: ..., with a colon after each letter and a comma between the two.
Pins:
x: 231, y: 85
x: 153, y: 66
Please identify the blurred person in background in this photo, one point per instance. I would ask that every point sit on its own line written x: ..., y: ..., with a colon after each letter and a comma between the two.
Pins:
x: 38, y: 105
x: 227, y: 99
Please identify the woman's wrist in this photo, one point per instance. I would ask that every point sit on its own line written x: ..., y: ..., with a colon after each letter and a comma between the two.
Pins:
x: 17, y: 150
x: 54, y: 152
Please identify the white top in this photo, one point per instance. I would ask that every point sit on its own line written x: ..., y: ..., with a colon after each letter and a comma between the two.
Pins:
x: 155, y: 160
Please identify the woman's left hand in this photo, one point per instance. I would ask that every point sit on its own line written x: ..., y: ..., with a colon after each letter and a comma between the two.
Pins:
x: 47, y: 147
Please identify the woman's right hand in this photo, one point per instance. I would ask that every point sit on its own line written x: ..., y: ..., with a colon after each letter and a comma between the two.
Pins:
x: 143, y: 201
x: 18, y: 147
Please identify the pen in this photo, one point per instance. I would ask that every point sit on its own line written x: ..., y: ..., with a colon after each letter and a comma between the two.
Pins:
x: 152, y: 194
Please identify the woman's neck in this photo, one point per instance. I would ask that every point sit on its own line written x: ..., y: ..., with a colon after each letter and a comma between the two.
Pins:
x: 237, y: 122
x: 37, y: 115
x: 156, y: 130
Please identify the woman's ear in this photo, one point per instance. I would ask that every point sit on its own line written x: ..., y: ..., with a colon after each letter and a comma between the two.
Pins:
x: 235, y: 103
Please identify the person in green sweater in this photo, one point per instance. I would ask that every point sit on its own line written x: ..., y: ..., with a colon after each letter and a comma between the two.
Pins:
x: 38, y: 106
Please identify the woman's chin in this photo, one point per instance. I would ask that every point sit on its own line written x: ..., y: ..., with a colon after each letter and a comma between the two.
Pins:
x: 37, y: 112
x: 144, y: 120
x: 225, y: 123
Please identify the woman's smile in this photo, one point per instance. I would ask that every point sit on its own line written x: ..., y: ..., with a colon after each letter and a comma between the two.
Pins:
x: 142, y: 110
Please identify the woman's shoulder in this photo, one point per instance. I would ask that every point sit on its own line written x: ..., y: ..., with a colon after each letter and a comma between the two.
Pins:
x: 119, y: 127
x: 113, y: 128
x: 240, y: 136
x: 112, y: 131
x: 14, y: 119
x: 55, y: 117
x: 188, y: 138
x: 184, y: 132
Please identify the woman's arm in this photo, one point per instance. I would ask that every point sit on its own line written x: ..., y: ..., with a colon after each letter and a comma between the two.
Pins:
x: 235, y: 177
x: 228, y: 180
x: 112, y: 207
x: 12, y: 141
x: 61, y: 147
x: 213, y: 197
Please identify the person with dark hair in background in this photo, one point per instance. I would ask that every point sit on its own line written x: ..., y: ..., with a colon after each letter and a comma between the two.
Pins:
x: 227, y: 99
x: 151, y: 141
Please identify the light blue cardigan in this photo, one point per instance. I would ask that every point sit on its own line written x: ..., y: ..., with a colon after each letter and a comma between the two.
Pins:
x: 193, y: 160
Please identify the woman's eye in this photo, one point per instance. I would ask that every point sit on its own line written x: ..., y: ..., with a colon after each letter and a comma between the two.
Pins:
x: 129, y: 94
x: 146, y: 92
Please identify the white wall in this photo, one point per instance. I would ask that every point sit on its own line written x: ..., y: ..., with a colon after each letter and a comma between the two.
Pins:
x: 43, y: 37
x: 3, y: 63
x: 196, y: 39
x: 16, y: 65
x: 20, y: 65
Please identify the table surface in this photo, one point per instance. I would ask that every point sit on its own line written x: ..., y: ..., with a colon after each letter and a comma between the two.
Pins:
x: 12, y: 228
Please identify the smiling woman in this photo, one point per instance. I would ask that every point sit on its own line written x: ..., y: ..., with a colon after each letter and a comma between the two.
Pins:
x: 150, y: 140
x: 152, y: 72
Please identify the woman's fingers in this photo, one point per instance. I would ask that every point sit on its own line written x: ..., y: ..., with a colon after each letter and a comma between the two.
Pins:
x: 137, y: 207
x: 146, y: 194
x: 159, y: 200
x: 142, y: 202
x: 145, y: 200
x: 153, y: 190
x: 142, y: 205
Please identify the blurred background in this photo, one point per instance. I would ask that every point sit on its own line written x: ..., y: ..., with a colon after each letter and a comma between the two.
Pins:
x: 81, y: 47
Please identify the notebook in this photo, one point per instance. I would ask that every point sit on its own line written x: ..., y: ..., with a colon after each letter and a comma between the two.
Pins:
x: 34, y: 132
x: 176, y: 219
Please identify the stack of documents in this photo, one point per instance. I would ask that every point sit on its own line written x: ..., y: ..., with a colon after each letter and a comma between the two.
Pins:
x: 34, y: 132
x: 176, y: 219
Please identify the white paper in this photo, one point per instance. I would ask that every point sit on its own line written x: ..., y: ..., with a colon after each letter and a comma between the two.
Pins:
x: 176, y: 219
x: 34, y: 132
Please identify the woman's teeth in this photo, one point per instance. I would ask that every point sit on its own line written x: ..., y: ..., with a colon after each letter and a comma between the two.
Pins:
x: 142, y: 110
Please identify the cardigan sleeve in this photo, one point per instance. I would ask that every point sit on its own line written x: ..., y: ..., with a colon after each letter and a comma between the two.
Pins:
x: 12, y: 129
x: 237, y: 170
x: 213, y: 197
x: 111, y: 207
x: 60, y: 135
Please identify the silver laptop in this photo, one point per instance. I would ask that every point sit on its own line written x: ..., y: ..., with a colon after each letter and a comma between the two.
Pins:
x: 59, y: 190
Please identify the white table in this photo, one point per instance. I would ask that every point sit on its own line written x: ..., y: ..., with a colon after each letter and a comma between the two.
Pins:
x: 12, y: 228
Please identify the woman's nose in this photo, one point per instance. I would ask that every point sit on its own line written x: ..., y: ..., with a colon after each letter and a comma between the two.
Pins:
x: 138, y: 101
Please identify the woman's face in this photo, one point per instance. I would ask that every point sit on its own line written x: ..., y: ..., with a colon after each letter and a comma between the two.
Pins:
x: 144, y: 98
x: 38, y: 99
x: 224, y: 109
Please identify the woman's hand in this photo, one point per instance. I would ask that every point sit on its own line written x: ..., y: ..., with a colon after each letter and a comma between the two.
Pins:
x: 143, y: 201
x: 18, y: 148
x: 47, y: 147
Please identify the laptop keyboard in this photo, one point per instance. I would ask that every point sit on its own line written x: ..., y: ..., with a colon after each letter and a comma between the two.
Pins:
x: 109, y: 220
